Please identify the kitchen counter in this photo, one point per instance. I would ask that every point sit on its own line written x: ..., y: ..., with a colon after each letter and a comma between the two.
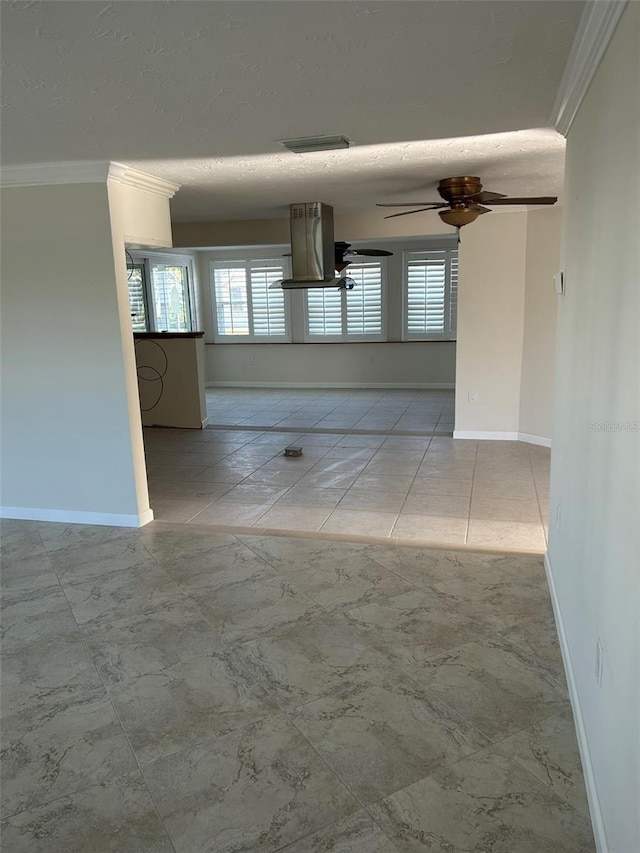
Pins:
x: 170, y: 368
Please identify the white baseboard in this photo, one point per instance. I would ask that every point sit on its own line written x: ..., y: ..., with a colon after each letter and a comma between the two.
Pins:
x: 534, y: 439
x: 429, y: 386
x: 67, y: 516
x: 581, y: 733
x: 492, y: 435
x: 206, y: 422
x: 485, y: 435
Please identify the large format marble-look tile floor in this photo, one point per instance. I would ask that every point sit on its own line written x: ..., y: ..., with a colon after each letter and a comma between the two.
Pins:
x: 177, y: 690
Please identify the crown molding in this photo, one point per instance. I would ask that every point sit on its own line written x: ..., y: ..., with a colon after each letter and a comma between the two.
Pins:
x: 84, y: 172
x: 121, y: 174
x: 597, y: 25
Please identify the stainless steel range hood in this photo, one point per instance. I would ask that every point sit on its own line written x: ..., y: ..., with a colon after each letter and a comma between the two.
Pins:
x: 313, y: 257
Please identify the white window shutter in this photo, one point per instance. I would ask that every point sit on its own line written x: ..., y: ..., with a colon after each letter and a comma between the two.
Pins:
x: 348, y: 314
x: 230, y: 290
x: 137, y: 304
x: 364, y: 302
x: 453, y: 293
x: 324, y: 311
x: 245, y: 306
x: 431, y: 295
x: 267, y: 306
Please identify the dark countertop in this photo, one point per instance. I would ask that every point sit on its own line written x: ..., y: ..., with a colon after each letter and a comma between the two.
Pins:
x: 165, y: 335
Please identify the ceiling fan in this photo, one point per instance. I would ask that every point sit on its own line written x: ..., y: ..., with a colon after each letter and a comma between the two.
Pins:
x: 464, y: 201
x: 344, y: 254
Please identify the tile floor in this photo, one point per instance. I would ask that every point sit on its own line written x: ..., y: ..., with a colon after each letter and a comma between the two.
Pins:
x: 177, y: 690
x: 393, y: 409
x: 420, y: 488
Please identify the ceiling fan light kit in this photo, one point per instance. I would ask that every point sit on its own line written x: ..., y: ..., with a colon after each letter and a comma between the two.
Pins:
x: 459, y: 216
x: 464, y: 201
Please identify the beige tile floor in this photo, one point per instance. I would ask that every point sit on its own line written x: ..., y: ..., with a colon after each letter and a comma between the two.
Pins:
x: 393, y: 409
x: 177, y: 690
x: 420, y: 488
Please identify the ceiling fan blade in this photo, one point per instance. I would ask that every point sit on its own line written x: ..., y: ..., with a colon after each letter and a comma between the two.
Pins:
x: 546, y: 199
x: 419, y: 210
x: 481, y: 209
x: 413, y: 204
x: 484, y: 197
x: 369, y: 253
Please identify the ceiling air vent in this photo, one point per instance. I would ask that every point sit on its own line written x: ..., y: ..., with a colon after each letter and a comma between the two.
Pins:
x: 315, y: 143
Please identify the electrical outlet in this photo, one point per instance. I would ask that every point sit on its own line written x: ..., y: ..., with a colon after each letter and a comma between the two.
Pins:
x: 371, y: 360
x: 599, y: 662
x: 252, y: 360
x: 473, y: 396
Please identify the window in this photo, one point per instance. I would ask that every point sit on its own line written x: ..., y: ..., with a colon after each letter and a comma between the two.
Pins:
x: 170, y: 289
x: 339, y: 314
x: 137, y: 298
x: 160, y: 295
x: 431, y: 291
x: 245, y: 308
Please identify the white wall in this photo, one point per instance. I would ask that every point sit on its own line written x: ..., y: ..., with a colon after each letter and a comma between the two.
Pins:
x: 411, y: 365
x: 348, y: 226
x: 539, y: 334
x: 71, y: 435
x: 142, y: 216
x: 491, y: 324
x: 594, y: 556
x: 507, y: 325
x: 136, y: 215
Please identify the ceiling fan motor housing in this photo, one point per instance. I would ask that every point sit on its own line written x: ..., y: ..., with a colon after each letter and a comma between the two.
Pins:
x: 456, y: 188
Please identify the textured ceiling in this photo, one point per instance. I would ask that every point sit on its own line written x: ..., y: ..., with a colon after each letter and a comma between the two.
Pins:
x: 516, y: 163
x: 202, y: 85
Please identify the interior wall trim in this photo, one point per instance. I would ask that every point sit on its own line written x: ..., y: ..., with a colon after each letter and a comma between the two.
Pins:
x: 541, y: 440
x: 81, y: 172
x: 436, y: 386
x: 492, y: 435
x: 485, y: 435
x: 67, y: 516
x: 597, y: 25
x: 581, y: 732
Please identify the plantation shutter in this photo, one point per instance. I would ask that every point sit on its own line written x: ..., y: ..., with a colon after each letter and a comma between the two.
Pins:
x: 267, y: 306
x: 137, y: 304
x: 244, y: 304
x: 364, y: 302
x: 432, y: 280
x: 230, y: 290
x: 339, y: 313
x: 324, y: 311
x: 453, y: 293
